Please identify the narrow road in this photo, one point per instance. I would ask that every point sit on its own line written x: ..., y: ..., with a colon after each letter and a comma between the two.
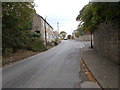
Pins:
x: 56, y: 68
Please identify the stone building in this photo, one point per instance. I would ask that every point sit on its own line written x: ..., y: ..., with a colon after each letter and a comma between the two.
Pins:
x: 39, y: 25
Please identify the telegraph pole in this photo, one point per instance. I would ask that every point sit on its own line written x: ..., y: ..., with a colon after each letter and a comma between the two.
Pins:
x: 91, y: 39
x: 45, y: 32
x: 58, y: 26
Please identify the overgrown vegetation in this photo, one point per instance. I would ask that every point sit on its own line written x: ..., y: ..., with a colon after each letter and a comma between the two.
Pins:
x: 95, y: 13
x: 16, y: 28
x: 37, y: 45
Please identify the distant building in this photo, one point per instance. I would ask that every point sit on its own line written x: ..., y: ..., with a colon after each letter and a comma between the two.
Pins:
x: 39, y: 24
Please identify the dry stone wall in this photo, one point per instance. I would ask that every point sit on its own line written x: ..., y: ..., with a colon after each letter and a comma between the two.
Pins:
x: 106, y: 40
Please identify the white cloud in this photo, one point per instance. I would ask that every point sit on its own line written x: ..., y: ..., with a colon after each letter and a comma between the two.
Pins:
x: 62, y: 11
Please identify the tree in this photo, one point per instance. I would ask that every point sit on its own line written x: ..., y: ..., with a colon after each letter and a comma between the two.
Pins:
x: 63, y: 34
x: 95, y: 13
x: 69, y: 37
x: 16, y: 24
x: 80, y: 31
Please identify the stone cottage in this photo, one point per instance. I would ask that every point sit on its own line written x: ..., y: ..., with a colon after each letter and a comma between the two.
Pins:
x: 40, y: 25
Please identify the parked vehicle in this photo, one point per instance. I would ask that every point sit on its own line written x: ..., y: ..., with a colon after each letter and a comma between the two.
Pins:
x: 65, y: 38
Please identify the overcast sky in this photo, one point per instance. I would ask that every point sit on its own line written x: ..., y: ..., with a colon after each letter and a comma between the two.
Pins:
x: 62, y: 11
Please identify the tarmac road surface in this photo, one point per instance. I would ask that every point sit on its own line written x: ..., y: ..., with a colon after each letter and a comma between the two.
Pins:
x: 56, y: 68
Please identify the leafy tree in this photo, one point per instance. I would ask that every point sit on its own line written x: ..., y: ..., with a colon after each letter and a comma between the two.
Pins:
x: 95, y: 13
x: 80, y: 31
x: 63, y: 34
x: 16, y: 24
x: 69, y: 36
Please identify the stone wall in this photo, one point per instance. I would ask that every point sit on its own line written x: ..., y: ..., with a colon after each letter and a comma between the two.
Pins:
x: 106, y: 40
x: 84, y: 38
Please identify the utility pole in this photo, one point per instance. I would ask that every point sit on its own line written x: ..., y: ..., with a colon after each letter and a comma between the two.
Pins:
x: 91, y: 40
x: 45, y: 32
x: 58, y: 26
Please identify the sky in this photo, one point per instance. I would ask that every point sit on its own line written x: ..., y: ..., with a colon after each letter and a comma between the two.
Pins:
x: 62, y: 11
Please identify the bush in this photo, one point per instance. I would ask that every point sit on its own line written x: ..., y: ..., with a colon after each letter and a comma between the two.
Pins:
x: 8, y: 51
x: 37, y: 45
x: 28, y: 42
x: 56, y: 42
